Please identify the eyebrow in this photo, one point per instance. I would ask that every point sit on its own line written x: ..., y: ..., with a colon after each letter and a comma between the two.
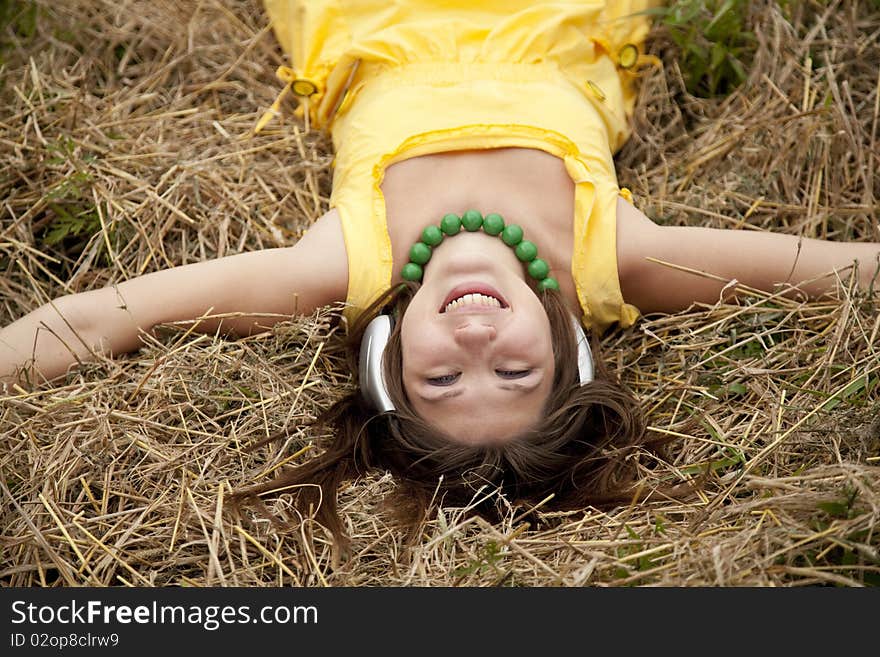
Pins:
x: 516, y: 387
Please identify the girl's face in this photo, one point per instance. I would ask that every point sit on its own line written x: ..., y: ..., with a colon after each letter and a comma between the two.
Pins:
x: 477, y: 349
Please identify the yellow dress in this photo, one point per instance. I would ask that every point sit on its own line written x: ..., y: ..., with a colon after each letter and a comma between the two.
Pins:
x: 394, y: 80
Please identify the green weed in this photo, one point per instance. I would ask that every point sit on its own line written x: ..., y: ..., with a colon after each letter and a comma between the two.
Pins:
x: 643, y: 562
x: 856, y: 393
x: 715, y: 47
x: 488, y: 560
x: 853, y: 555
x: 74, y: 218
x: 18, y: 23
x: 18, y: 17
x: 732, y: 460
x: 841, y: 508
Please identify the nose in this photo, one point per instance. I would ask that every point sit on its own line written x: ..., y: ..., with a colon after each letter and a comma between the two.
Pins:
x: 474, y: 336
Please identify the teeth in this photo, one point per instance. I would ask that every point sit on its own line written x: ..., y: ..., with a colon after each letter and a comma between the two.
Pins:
x: 476, y: 299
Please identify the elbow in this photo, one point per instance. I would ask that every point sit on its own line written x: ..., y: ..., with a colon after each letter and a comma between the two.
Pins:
x: 92, y: 323
x: 66, y: 318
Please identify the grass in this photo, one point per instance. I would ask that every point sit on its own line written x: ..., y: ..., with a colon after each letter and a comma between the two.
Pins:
x: 714, y: 46
x: 124, y: 148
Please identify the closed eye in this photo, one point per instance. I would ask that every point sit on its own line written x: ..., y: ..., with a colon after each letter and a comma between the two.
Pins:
x: 513, y: 374
x: 444, y: 380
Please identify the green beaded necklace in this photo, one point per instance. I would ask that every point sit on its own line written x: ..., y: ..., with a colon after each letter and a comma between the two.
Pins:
x: 472, y: 221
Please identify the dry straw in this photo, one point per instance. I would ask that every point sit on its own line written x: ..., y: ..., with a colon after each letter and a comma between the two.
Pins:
x: 134, y: 118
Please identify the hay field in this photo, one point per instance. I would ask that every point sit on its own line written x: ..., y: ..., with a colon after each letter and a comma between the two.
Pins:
x: 124, y: 148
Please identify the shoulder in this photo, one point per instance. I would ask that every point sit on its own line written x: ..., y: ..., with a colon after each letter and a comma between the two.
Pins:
x: 637, y: 238
x: 325, y: 234
x: 321, y: 253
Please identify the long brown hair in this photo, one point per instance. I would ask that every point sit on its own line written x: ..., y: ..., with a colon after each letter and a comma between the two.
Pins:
x: 577, y: 455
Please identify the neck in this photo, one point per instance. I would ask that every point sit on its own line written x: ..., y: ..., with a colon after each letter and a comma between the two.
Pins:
x: 526, y: 186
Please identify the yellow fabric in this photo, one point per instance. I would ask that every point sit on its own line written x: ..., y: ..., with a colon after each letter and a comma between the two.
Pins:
x: 394, y: 80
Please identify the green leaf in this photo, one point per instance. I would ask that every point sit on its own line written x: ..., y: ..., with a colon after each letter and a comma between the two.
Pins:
x: 726, y: 7
x: 660, y: 525
x: 738, y: 69
x: 690, y: 11
x: 696, y: 50
x: 849, y: 558
x: 719, y: 53
x: 834, y: 509
x: 250, y: 393
x: 851, y: 389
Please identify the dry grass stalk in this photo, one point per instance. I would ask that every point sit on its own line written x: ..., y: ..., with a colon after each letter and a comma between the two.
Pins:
x: 133, y: 118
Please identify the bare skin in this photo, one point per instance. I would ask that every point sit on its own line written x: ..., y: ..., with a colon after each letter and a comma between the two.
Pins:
x: 252, y: 291
x: 454, y: 366
x: 479, y: 369
x: 527, y: 187
x: 497, y: 362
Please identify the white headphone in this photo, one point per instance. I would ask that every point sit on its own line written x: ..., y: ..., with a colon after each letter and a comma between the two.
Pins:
x: 372, y: 379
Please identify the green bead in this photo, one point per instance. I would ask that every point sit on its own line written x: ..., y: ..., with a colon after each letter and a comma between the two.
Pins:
x: 538, y: 269
x: 420, y: 253
x: 472, y: 220
x: 548, y: 283
x: 493, y: 224
x: 526, y: 251
x: 450, y: 224
x: 432, y: 236
x: 512, y: 235
x: 411, y: 272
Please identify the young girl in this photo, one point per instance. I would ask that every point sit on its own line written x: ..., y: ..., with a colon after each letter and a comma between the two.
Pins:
x: 473, y: 119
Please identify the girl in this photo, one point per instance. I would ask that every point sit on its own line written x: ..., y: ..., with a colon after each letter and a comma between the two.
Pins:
x: 453, y: 124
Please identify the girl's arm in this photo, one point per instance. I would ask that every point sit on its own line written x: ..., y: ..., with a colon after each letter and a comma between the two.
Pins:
x: 257, y: 289
x: 756, y: 259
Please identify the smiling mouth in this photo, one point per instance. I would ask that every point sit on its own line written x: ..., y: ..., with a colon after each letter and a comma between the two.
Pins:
x: 476, y: 296
x: 473, y: 301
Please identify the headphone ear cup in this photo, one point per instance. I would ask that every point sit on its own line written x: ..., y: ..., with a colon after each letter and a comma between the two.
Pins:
x: 370, y: 375
x: 584, y: 353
